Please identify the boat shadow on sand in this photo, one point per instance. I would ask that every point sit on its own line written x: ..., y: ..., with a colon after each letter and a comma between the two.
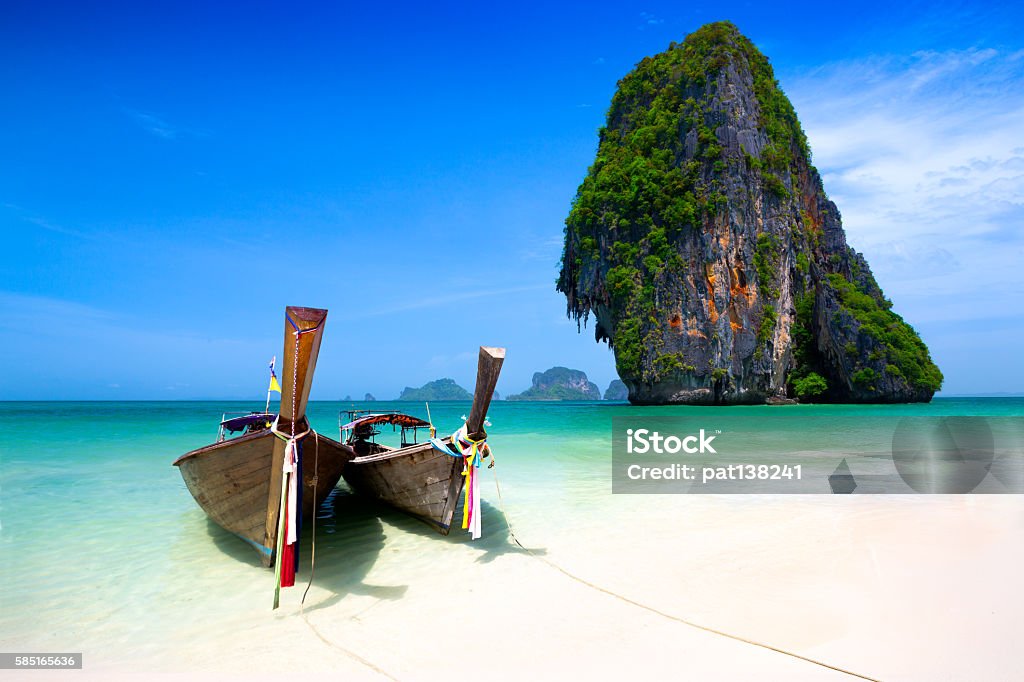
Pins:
x: 349, y: 538
x: 495, y: 540
x: 350, y: 534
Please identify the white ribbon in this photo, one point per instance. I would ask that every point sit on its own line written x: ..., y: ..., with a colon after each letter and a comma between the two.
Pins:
x: 291, y: 461
x: 474, y: 524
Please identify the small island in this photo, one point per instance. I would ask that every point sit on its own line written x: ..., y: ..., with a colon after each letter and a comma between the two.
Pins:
x: 440, y: 389
x: 560, y: 383
x: 617, y: 391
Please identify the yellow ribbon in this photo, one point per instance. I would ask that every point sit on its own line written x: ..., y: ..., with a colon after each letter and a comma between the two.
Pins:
x: 472, y: 459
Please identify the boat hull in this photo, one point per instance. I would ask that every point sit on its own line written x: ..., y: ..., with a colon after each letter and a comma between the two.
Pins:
x: 417, y: 480
x: 231, y: 481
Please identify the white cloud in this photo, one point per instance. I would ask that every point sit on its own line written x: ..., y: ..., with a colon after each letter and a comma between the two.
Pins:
x: 445, y: 361
x: 439, y: 300
x: 153, y: 124
x: 924, y: 155
x: 69, y: 350
x: 543, y: 249
x: 159, y: 127
x: 23, y: 312
x: 648, y: 19
x: 31, y: 218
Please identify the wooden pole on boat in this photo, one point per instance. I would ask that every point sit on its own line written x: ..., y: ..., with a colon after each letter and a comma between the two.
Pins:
x: 270, y: 385
x: 487, y: 371
x: 296, y: 380
x: 280, y: 543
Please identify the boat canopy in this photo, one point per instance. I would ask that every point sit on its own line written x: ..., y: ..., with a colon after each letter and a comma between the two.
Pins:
x: 396, y: 418
x: 241, y: 423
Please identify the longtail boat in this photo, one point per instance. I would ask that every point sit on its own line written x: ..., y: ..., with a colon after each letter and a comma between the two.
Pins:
x: 423, y: 479
x: 238, y: 481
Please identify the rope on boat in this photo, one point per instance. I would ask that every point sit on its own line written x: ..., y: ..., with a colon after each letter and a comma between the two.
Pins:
x: 312, y: 568
x: 659, y: 612
x: 433, y: 431
x: 290, y: 510
x: 312, y: 551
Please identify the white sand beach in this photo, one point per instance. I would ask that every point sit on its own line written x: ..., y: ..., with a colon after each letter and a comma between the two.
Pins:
x: 892, y: 588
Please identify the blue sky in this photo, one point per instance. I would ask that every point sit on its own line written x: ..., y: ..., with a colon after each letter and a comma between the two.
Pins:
x: 159, y: 161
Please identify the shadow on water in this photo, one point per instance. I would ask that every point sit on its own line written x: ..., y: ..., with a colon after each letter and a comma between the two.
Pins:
x: 231, y: 545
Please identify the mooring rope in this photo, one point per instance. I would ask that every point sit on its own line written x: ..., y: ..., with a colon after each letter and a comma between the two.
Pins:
x: 351, y: 654
x: 312, y: 568
x: 663, y: 614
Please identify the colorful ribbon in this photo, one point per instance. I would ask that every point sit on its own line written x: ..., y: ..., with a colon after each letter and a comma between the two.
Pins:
x: 290, y: 468
x: 289, y: 517
x: 470, y: 450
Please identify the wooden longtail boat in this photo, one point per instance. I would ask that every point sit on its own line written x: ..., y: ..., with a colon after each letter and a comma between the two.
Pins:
x: 417, y: 478
x: 237, y: 481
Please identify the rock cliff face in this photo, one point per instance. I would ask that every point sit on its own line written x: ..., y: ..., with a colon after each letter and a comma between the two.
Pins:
x: 616, y: 391
x: 560, y: 383
x: 703, y: 243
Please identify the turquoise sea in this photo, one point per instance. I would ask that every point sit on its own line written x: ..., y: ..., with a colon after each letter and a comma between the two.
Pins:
x: 105, y: 551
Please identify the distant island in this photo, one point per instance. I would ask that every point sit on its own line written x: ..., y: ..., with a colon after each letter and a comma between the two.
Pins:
x: 616, y: 391
x: 560, y: 383
x: 369, y: 397
x: 440, y: 389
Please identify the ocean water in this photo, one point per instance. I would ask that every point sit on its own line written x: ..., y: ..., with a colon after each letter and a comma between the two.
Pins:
x: 105, y: 552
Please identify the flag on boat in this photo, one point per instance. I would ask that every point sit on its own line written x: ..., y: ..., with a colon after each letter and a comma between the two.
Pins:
x: 274, y: 384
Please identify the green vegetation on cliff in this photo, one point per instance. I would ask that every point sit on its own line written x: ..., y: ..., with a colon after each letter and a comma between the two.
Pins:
x: 904, y: 351
x: 441, y: 389
x: 637, y: 181
x: 616, y: 391
x: 810, y: 386
x: 638, y: 191
x: 560, y: 383
x: 704, y: 244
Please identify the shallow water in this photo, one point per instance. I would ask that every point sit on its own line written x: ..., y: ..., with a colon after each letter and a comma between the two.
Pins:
x: 105, y: 551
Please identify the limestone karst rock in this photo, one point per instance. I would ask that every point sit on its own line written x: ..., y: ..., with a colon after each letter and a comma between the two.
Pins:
x: 704, y: 245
